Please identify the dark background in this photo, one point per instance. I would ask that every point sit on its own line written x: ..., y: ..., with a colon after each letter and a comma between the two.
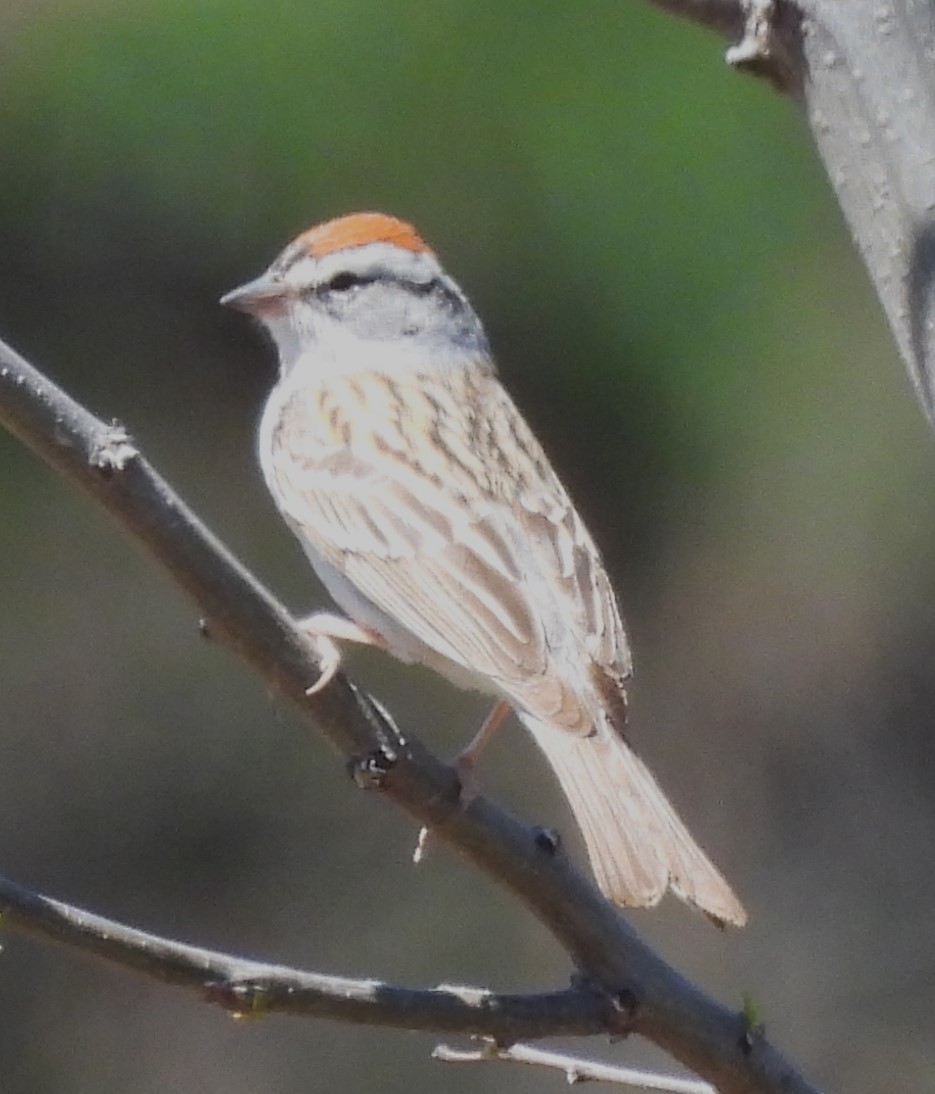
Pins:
x: 675, y: 303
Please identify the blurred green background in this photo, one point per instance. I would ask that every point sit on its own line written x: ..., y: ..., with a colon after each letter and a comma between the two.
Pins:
x: 675, y: 302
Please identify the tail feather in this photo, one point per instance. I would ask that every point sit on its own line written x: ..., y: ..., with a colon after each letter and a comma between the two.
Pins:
x: 636, y: 842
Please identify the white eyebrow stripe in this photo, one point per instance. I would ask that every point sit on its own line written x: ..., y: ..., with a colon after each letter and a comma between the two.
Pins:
x: 367, y: 261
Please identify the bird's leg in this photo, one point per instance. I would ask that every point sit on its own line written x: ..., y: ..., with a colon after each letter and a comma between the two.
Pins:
x: 467, y: 758
x: 322, y: 629
x: 465, y: 762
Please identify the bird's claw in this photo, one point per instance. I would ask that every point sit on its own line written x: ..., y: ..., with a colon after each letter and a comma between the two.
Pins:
x: 329, y: 661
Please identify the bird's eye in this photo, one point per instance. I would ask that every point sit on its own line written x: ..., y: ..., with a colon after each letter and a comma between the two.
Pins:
x: 343, y: 281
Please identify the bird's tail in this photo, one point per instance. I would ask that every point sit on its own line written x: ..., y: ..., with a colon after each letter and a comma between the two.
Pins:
x: 636, y: 842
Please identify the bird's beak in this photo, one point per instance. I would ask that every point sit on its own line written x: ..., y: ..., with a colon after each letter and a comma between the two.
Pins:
x: 261, y: 296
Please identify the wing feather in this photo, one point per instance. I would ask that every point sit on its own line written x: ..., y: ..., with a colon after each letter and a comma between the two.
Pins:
x: 434, y: 499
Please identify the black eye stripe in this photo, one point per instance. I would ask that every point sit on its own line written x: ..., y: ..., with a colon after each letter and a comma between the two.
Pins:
x: 343, y: 281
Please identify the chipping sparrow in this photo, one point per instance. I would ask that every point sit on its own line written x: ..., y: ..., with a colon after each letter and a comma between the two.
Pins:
x: 433, y: 517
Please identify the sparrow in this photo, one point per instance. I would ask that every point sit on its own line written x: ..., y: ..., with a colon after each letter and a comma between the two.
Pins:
x: 433, y: 517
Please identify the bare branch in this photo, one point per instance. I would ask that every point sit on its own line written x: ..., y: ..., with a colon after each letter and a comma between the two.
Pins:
x: 576, y: 1069
x: 255, y: 988
x: 867, y: 88
x: 651, y: 997
x: 862, y: 72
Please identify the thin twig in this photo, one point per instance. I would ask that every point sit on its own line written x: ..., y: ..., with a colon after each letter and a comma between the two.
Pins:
x: 576, y: 1069
x: 248, y: 987
x: 649, y: 996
